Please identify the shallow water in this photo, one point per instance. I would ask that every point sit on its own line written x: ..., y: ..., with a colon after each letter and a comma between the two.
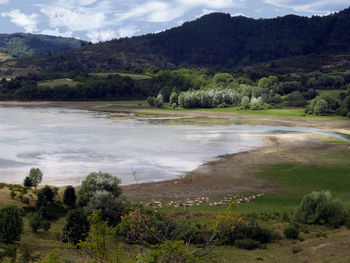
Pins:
x: 68, y: 144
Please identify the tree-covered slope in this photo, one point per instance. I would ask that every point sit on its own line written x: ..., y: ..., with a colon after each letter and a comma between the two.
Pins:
x: 23, y: 45
x: 215, y: 40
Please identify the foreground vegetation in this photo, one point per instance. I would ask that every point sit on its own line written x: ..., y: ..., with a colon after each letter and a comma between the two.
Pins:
x: 99, y: 223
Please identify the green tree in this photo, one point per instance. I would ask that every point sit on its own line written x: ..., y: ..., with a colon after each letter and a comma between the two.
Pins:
x: 76, y: 227
x: 11, y: 224
x: 112, y: 208
x: 173, y: 98
x: 320, y: 208
x: 69, y: 196
x: 181, y: 100
x: 47, y: 193
x: 245, y: 103
x: 271, y: 83
x: 223, y: 79
x: 159, y: 101
x: 96, y: 241
x: 98, y: 182
x: 36, y: 175
x: 320, y: 107
x: 28, y: 182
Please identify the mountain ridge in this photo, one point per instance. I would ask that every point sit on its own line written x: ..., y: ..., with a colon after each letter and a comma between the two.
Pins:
x: 18, y: 45
x: 215, y: 40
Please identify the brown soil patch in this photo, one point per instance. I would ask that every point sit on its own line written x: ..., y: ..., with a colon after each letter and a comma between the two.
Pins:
x: 233, y: 174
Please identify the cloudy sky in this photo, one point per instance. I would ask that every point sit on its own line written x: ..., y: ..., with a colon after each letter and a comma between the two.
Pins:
x: 100, y: 20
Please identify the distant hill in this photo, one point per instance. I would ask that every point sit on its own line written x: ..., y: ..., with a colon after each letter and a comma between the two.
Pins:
x: 20, y: 45
x: 216, y: 40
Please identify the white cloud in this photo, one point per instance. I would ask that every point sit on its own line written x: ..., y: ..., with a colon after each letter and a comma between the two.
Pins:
x: 102, y: 35
x: 3, y: 1
x: 314, y: 6
x: 74, y: 20
x: 28, y: 22
x: 205, y: 12
x: 160, y: 11
x: 56, y: 32
x: 127, y: 31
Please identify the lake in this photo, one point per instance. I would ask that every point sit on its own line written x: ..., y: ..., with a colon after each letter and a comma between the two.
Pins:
x: 68, y: 144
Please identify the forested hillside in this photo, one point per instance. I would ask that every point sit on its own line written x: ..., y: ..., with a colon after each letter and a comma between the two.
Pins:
x: 23, y: 45
x: 216, y: 40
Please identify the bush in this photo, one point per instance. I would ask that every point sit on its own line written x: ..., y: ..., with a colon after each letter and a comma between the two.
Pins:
x: 248, y: 244
x: 69, y: 196
x: 246, y: 231
x: 11, y: 224
x: 150, y: 101
x: 98, y: 182
x: 47, y: 194
x: 347, y: 222
x: 112, y: 208
x: 76, y: 227
x: 28, y: 182
x: 173, y: 98
x: 291, y: 232
x: 12, y: 194
x: 320, y: 208
x: 36, y: 222
x: 159, y: 101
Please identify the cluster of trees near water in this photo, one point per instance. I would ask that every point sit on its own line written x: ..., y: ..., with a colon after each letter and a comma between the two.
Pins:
x: 88, y: 88
x: 99, y: 218
x: 249, y: 91
x: 195, y: 88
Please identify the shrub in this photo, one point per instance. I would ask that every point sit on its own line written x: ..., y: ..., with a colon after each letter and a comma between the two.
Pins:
x: 76, y: 227
x: 248, y: 244
x: 36, y: 222
x: 142, y: 225
x: 28, y: 182
x: 245, y: 102
x: 173, y: 98
x: 11, y: 224
x: 12, y: 194
x: 150, y: 101
x: 112, y: 208
x: 291, y: 232
x: 98, y: 182
x: 159, y: 101
x: 47, y: 194
x: 347, y: 222
x: 246, y: 231
x: 169, y: 251
x: 69, y: 196
x: 320, y: 208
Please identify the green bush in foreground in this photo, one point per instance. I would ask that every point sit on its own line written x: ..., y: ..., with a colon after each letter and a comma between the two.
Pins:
x: 11, y: 224
x: 291, y: 232
x: 320, y: 208
x: 69, y: 196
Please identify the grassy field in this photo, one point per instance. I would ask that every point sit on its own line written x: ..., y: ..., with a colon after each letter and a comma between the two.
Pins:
x: 58, y: 82
x: 131, y: 75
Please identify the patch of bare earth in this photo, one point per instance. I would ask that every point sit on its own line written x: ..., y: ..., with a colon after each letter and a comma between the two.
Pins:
x: 233, y: 174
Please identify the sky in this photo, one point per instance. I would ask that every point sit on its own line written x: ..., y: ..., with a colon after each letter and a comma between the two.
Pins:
x: 102, y: 20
